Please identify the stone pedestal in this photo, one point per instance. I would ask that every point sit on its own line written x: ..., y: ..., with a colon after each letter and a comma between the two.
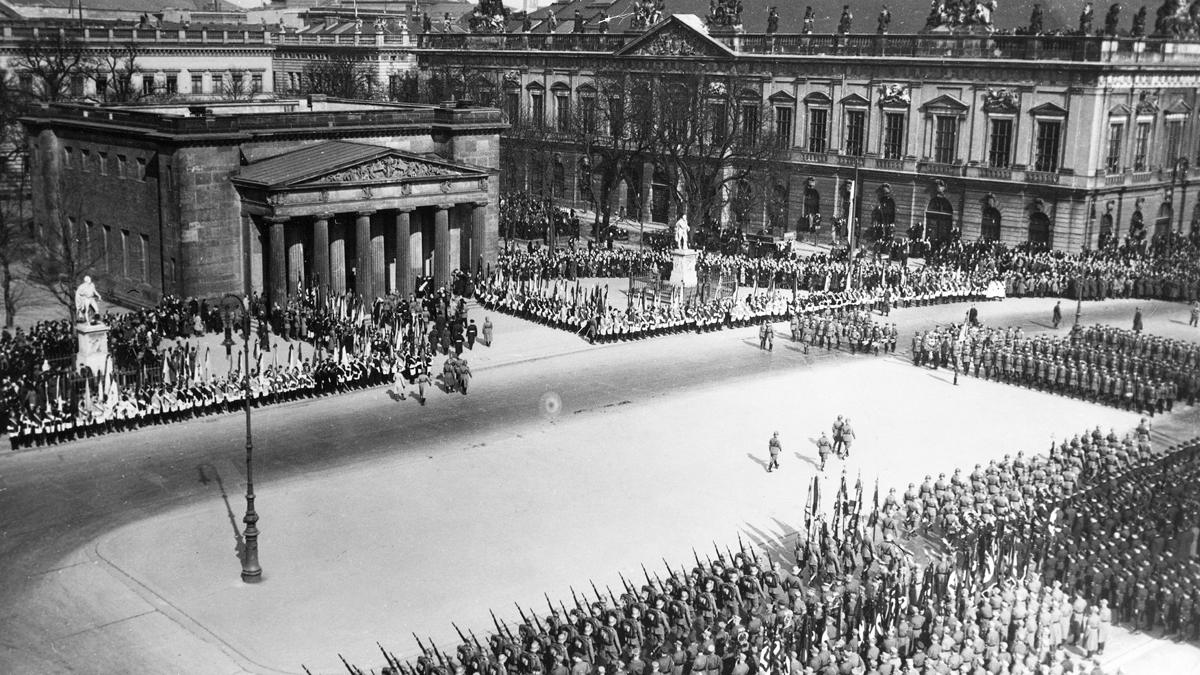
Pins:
x: 93, y: 346
x: 683, y: 268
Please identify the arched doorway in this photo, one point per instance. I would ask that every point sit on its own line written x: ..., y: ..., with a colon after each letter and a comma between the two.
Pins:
x: 939, y: 219
x: 1039, y: 228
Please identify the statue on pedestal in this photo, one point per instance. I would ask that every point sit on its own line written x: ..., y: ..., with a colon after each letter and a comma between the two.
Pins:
x: 681, y: 233
x: 846, y: 21
x: 1112, y: 19
x: 809, y: 20
x: 87, y: 298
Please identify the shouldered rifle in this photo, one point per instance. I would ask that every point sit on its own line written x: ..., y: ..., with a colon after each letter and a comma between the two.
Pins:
x: 476, y: 641
x: 670, y: 572
x: 460, y: 633
x: 599, y: 598
x: 424, y: 651
x: 306, y: 670
x: 386, y: 657
x: 550, y: 605
x: 522, y: 613
x: 576, y: 599
x: 614, y: 598
x: 437, y: 653
x: 352, y: 669
x: 495, y: 622
x: 646, y: 574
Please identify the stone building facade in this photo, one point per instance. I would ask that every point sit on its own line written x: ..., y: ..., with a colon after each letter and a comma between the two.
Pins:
x: 1064, y: 140
x: 338, y: 195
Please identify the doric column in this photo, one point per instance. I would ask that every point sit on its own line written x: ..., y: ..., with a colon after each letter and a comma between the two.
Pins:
x: 321, y: 253
x: 404, y: 273
x: 378, y: 261
x: 278, y: 290
x: 337, y: 259
x: 295, y: 258
x: 478, y: 234
x: 364, y: 277
x: 441, y: 245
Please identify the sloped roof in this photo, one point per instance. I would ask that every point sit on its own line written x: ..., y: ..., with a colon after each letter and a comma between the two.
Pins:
x: 328, y: 157
x: 310, y: 162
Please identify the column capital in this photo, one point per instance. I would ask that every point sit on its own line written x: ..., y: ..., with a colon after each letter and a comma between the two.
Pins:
x: 481, y: 204
x: 365, y: 213
x: 273, y: 219
x: 445, y: 207
x: 403, y: 209
x: 323, y: 216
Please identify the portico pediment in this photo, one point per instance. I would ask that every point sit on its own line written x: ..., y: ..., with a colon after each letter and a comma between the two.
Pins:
x: 677, y: 35
x: 386, y: 169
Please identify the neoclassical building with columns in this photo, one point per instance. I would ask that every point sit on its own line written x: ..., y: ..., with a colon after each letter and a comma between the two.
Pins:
x: 345, y: 196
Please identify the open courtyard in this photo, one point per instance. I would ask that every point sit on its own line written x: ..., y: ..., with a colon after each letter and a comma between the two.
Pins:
x: 565, y: 464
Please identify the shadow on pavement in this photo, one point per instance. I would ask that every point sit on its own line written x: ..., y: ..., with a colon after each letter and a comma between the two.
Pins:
x: 239, y: 544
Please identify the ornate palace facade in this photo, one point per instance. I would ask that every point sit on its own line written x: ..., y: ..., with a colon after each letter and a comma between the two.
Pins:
x: 1057, y: 139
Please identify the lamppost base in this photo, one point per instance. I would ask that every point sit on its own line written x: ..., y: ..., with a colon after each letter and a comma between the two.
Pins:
x: 252, y: 577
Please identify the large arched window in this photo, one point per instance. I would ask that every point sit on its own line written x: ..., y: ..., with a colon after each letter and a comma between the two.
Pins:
x: 990, y: 224
x: 1039, y: 228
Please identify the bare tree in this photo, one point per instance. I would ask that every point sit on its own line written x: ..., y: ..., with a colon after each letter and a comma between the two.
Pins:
x: 56, y: 64
x: 712, y: 133
x: 614, y: 127
x: 114, y: 73
x: 341, y: 76
x: 63, y: 254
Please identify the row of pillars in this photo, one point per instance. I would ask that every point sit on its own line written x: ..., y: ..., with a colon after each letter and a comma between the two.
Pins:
x: 371, y: 279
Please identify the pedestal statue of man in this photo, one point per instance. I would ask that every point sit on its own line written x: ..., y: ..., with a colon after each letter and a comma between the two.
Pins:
x: 681, y: 233
x: 87, y: 298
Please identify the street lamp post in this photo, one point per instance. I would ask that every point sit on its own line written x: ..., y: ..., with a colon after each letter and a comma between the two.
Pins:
x: 251, y: 570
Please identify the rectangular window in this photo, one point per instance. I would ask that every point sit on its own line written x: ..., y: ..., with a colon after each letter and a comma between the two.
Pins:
x: 538, y: 109
x: 102, y: 163
x: 512, y: 107
x: 85, y: 160
x: 141, y: 169
x: 144, y: 254
x: 1000, y: 144
x: 587, y: 113
x: 218, y: 83
x: 238, y: 81
x: 147, y: 85
x: 124, y: 253
x: 25, y: 82
x: 945, y: 139
x: 1112, y: 162
x: 101, y: 86
x: 1049, y: 135
x: 562, y: 113
x: 1172, y: 149
x: 893, y: 135
x: 68, y: 157
x: 783, y: 127
x: 818, y: 129
x: 1141, y: 146
x: 750, y: 124
x: 856, y: 128
x: 197, y: 84
x: 77, y: 86
x: 256, y: 82
x: 106, y: 247
x: 719, y: 128
x: 172, y: 84
x: 616, y: 117
x: 122, y: 166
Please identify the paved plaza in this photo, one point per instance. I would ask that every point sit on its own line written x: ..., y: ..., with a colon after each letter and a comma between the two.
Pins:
x: 566, y: 463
